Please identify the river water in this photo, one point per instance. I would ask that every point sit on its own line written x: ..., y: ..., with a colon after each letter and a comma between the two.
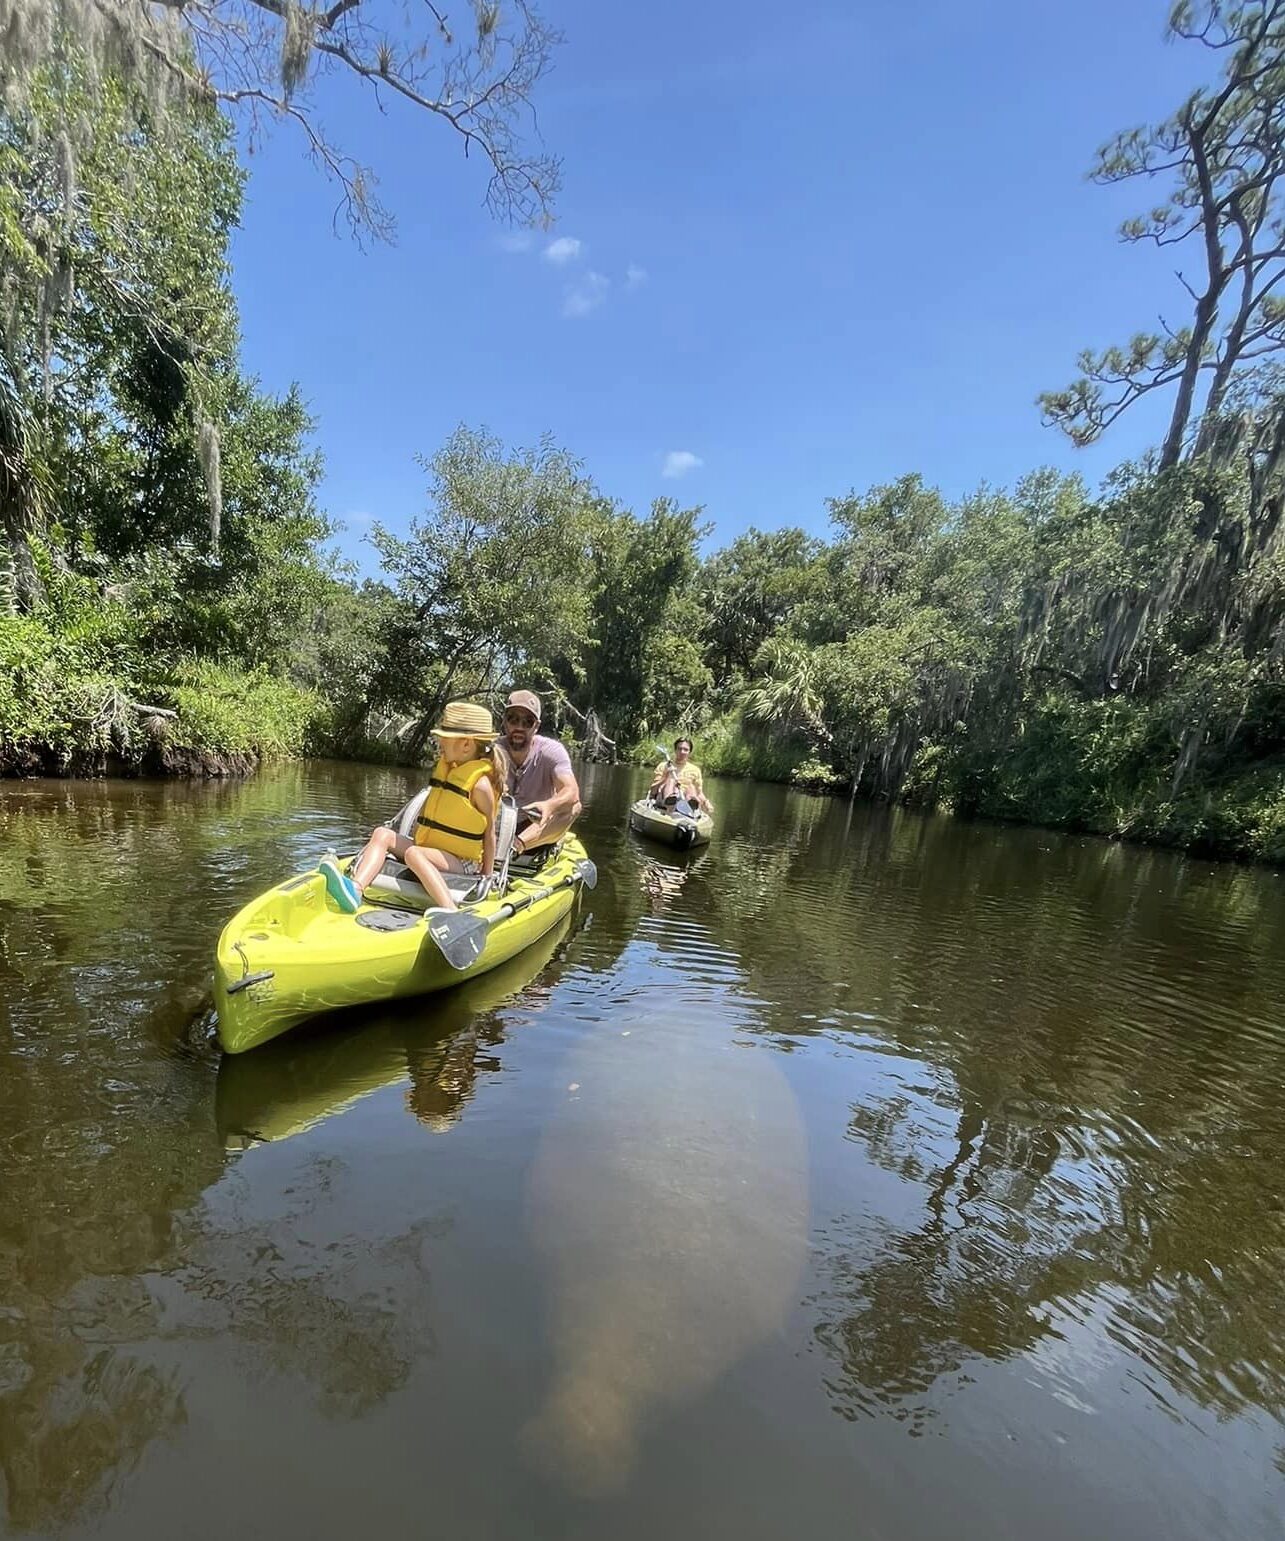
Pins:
x: 863, y: 1174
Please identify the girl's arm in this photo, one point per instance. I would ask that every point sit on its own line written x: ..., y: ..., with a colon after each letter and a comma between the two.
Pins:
x: 484, y: 801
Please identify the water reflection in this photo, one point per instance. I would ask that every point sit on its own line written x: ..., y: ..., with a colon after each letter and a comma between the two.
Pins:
x: 437, y: 1046
x: 1020, y: 1167
x: 662, y: 881
x: 1071, y: 1059
x: 122, y: 1241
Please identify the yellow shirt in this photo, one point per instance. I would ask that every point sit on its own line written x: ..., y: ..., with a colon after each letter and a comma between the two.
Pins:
x: 689, y: 777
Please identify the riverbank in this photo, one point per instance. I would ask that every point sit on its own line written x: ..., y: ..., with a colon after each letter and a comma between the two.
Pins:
x: 65, y: 710
x: 1231, y: 812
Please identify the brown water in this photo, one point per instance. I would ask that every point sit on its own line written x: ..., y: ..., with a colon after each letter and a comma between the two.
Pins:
x: 860, y: 1175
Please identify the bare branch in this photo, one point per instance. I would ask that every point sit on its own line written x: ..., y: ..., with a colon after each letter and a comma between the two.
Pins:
x: 255, y: 55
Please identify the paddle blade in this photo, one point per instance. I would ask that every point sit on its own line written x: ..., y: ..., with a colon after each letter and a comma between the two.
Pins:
x: 459, y: 937
x: 588, y: 874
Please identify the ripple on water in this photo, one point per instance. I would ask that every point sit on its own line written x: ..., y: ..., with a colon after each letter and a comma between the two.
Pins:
x: 1017, y: 1179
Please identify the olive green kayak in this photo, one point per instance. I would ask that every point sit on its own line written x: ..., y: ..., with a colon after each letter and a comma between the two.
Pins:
x: 679, y: 830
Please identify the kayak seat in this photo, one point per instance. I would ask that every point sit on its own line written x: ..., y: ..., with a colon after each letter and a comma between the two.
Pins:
x: 397, y: 881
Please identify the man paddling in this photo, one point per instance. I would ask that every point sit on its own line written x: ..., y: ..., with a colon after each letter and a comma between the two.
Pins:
x: 540, y: 778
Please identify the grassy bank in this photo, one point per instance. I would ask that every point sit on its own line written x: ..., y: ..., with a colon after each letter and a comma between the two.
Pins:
x: 79, y: 701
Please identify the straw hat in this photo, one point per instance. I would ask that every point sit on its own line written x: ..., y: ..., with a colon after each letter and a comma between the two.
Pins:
x: 464, y: 719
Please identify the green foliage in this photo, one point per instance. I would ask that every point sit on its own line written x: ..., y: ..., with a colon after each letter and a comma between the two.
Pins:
x: 250, y: 713
x: 119, y: 387
x: 750, y: 591
x: 492, y: 578
x: 644, y: 659
x: 728, y: 745
x: 813, y: 775
x: 1221, y: 161
x: 1112, y: 665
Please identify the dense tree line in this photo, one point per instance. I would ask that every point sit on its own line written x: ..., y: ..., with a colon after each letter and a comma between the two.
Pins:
x: 1109, y: 660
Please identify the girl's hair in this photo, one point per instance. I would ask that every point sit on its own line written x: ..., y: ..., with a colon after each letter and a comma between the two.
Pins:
x: 679, y: 742
x: 497, y: 766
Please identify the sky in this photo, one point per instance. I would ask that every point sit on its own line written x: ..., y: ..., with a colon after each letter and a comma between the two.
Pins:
x: 799, y: 250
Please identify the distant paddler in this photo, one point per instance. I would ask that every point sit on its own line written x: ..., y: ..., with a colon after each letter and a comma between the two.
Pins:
x: 680, y: 778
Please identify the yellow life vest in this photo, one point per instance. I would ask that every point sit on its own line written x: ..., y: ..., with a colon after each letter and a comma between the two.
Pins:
x: 448, y: 820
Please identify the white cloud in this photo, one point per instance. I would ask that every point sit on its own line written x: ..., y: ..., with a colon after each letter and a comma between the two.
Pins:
x: 517, y: 240
x: 585, y: 294
x: 679, y: 461
x: 635, y: 276
x: 565, y: 249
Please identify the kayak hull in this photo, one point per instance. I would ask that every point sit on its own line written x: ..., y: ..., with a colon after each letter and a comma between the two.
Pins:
x: 683, y: 834
x: 292, y: 954
x: 292, y: 1085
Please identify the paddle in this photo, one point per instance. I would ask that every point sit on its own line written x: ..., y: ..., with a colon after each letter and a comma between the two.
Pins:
x: 460, y: 935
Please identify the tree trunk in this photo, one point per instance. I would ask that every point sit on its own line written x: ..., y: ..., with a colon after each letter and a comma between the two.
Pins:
x: 1206, y: 314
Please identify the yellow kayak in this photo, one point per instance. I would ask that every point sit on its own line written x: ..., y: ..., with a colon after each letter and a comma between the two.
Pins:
x: 679, y: 830
x: 292, y: 953
x: 291, y: 1086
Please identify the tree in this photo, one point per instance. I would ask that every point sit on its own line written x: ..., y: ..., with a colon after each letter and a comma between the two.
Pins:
x: 1223, y: 155
x: 23, y: 494
x: 118, y: 316
x: 492, y: 579
x: 786, y: 694
x: 638, y: 669
x: 126, y: 397
x: 750, y: 590
x: 257, y: 56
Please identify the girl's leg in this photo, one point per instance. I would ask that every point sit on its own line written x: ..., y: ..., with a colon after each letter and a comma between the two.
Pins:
x: 428, y: 865
x: 371, y: 860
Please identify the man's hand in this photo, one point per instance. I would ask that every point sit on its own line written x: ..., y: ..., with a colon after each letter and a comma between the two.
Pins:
x: 536, y: 812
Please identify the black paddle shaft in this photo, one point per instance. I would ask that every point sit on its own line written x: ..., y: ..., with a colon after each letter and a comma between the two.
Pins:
x: 460, y: 937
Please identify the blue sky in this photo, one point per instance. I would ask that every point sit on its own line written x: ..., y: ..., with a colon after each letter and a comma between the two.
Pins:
x: 804, y: 249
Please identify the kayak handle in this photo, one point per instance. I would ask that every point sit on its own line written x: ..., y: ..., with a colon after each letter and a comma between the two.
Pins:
x: 247, y: 980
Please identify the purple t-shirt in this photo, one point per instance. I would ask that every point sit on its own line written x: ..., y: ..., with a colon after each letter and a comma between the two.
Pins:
x: 532, y: 781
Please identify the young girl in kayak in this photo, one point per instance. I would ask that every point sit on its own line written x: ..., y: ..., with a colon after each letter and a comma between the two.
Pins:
x: 455, y: 831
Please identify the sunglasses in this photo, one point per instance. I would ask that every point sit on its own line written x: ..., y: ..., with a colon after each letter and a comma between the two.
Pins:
x: 521, y: 719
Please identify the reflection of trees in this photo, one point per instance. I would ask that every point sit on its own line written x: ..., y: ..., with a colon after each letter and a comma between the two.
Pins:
x: 923, y: 1302
x: 1030, y: 1223
x: 662, y: 881
x: 1078, y: 1086
x: 111, y: 896
x: 348, y: 1314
